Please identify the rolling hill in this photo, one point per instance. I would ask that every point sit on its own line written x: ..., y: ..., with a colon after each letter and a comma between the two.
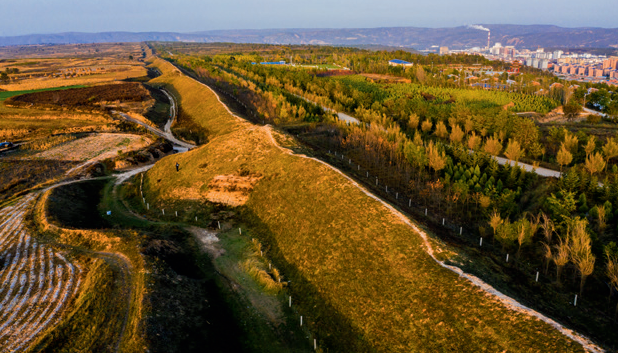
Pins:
x: 521, y: 36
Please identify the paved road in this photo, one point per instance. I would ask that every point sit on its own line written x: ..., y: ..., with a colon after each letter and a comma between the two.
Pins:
x: 587, y: 110
x: 167, y: 136
x: 342, y: 116
x: 173, y: 113
x: 540, y: 171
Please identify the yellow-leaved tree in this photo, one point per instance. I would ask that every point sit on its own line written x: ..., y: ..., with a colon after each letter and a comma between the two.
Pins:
x: 457, y: 134
x: 595, y: 163
x: 441, y: 131
x: 513, y: 150
x: 474, y: 141
x: 492, y: 146
x: 564, y: 157
x: 436, y: 159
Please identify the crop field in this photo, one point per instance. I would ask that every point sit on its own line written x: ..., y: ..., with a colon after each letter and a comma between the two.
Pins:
x: 361, y: 277
x: 8, y: 94
x: 37, y: 53
x: 99, y: 96
x: 38, y: 283
x: 69, y: 66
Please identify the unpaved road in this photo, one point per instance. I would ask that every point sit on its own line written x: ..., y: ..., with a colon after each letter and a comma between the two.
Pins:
x: 167, y: 134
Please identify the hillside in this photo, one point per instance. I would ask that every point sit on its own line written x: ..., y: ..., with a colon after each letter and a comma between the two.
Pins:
x: 360, y: 276
x: 520, y: 36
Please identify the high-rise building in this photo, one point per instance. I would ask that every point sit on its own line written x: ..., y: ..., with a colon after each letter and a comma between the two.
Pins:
x: 557, y: 54
x: 444, y: 51
x: 543, y: 64
x: 611, y: 63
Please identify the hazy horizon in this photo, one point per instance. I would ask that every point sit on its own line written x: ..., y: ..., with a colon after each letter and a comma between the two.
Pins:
x: 186, y: 16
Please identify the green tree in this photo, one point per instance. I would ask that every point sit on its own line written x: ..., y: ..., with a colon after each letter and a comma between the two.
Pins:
x: 572, y: 110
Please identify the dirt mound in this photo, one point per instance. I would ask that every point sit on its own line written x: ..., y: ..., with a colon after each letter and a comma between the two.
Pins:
x: 231, y: 190
x: 386, y: 78
x: 329, y: 73
x: 507, y: 106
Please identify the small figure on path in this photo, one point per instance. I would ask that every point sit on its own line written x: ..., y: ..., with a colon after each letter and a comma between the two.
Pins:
x: 177, y: 166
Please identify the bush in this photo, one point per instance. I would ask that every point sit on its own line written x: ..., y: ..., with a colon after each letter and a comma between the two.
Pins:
x: 594, y: 119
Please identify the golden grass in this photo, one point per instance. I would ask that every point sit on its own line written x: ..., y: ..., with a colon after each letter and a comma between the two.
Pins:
x: 91, y: 118
x: 142, y: 118
x: 48, y: 142
x: 8, y: 134
x: 360, y: 275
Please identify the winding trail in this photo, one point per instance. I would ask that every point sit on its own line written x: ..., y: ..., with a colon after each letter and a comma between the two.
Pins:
x: 507, y: 301
x: 167, y: 134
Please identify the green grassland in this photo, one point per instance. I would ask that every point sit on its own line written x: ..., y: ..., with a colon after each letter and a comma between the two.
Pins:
x: 360, y: 277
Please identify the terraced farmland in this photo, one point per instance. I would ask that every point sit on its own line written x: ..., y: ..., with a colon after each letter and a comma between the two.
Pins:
x: 37, y: 283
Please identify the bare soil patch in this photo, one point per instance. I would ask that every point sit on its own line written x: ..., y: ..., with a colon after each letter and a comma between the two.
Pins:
x: 386, y: 78
x: 232, y: 190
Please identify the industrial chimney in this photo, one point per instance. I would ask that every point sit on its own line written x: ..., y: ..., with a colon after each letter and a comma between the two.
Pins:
x: 488, y: 39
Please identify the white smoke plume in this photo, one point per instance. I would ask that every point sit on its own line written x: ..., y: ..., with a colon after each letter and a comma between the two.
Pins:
x: 479, y: 27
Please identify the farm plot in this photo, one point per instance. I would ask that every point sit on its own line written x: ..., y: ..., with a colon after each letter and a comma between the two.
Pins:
x: 83, y: 97
x: 37, y: 283
x: 95, y: 148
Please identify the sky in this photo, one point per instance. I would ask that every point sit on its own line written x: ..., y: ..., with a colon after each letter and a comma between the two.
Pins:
x: 56, y: 16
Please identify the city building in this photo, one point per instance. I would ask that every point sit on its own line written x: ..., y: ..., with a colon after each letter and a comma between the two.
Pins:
x: 444, y: 51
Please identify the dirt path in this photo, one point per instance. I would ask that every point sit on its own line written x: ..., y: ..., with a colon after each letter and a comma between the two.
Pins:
x: 507, y: 301
x: 173, y: 113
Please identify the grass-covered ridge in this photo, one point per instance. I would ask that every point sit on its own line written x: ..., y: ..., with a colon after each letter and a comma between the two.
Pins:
x: 359, y: 275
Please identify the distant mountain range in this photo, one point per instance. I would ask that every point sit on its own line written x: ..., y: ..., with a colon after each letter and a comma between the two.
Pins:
x: 520, y: 36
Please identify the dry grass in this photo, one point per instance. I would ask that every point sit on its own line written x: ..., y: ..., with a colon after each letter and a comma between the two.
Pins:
x: 9, y: 134
x: 48, y: 142
x: 143, y: 119
x: 95, y: 147
x: 90, y: 118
